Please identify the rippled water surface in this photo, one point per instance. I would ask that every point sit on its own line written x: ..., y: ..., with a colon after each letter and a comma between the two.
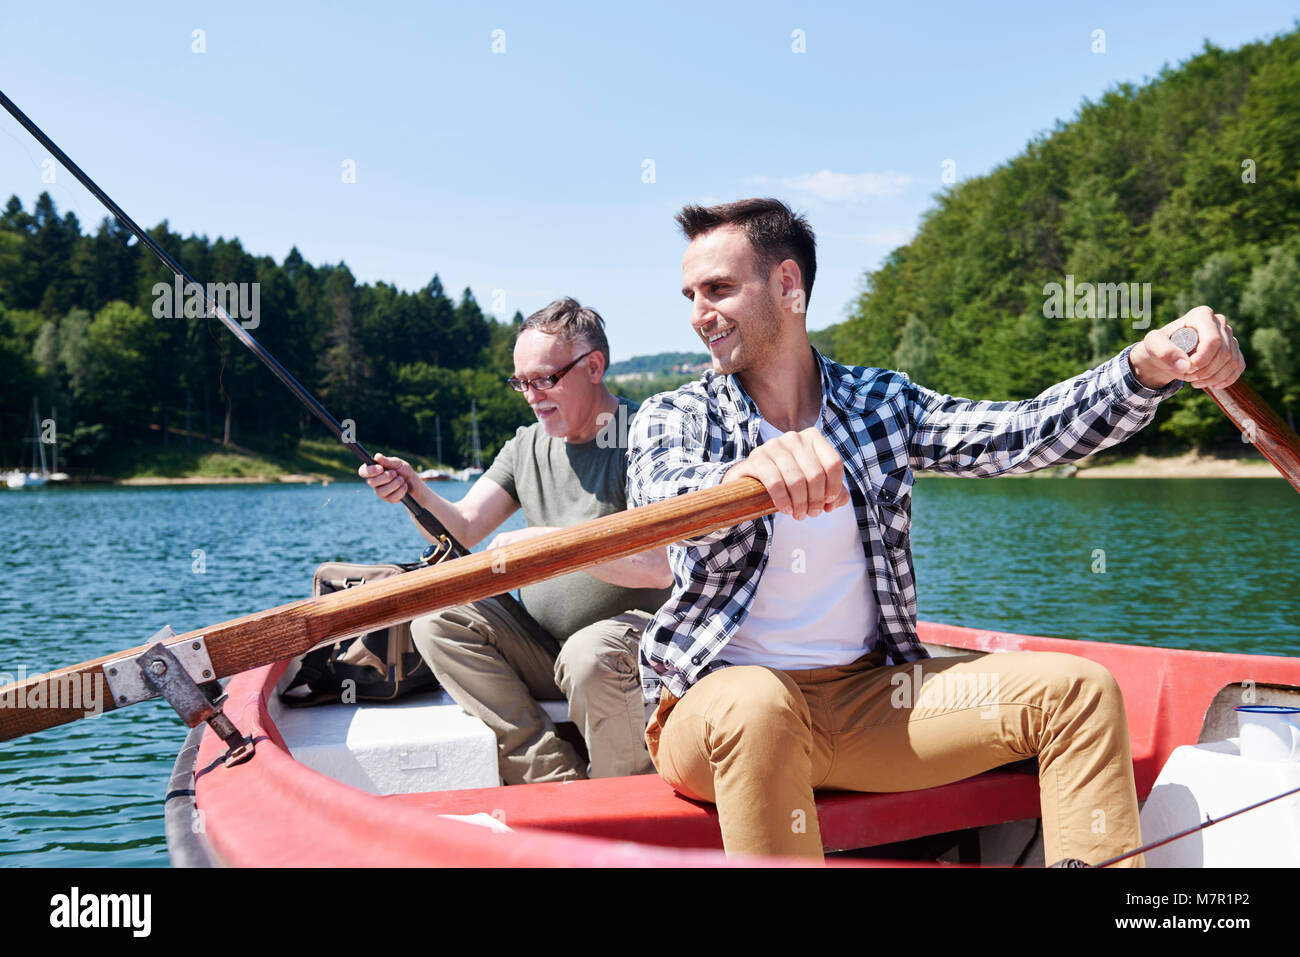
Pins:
x: 1202, y: 564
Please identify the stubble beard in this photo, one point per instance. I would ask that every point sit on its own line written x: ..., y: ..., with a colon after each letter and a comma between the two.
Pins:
x: 757, y: 342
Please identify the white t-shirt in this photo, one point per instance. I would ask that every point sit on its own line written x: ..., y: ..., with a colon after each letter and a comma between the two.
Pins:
x: 814, y: 607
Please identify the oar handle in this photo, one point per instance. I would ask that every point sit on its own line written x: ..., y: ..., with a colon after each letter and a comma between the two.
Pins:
x: 1258, y: 423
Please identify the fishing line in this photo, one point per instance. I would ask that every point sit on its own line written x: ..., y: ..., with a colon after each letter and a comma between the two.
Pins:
x: 1192, y: 830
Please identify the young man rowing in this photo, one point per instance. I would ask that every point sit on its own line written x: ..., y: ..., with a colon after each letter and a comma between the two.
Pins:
x: 561, y: 470
x: 776, y: 662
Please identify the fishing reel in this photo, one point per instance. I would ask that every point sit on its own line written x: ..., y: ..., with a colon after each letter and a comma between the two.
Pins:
x: 439, y: 551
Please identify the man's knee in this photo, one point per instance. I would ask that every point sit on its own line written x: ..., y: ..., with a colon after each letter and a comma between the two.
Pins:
x: 1080, y: 681
x: 739, y: 723
x: 605, y: 651
x: 438, y: 634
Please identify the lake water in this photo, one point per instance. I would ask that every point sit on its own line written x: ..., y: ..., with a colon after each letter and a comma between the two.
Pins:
x: 1206, y: 564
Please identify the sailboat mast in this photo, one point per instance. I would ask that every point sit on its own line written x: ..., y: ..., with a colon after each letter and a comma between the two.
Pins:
x: 473, y: 419
x: 36, y: 437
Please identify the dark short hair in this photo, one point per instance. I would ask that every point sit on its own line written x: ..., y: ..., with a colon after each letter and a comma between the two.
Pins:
x: 774, y: 230
x: 572, y: 322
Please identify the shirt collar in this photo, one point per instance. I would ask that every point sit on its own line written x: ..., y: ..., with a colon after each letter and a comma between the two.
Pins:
x: 857, y: 389
x: 849, y: 389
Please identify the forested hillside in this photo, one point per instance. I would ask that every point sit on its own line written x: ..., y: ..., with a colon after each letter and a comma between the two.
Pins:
x: 78, y: 330
x: 661, y: 363
x: 1189, y: 183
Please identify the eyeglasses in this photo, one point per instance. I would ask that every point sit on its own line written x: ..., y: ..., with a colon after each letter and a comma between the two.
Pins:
x: 542, y: 383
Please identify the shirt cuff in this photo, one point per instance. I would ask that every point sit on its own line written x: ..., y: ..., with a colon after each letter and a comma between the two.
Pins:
x: 1130, y: 387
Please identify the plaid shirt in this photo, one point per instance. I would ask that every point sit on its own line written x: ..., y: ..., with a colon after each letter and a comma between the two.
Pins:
x: 884, y: 427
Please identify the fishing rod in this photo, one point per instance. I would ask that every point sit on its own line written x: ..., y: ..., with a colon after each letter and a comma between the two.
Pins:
x: 1192, y: 830
x: 446, y: 546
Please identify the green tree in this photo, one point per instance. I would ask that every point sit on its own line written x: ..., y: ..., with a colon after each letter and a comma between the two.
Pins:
x: 1272, y: 302
x: 1177, y: 185
x: 918, y: 350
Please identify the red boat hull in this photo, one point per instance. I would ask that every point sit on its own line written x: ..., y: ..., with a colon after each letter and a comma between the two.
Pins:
x: 273, y: 811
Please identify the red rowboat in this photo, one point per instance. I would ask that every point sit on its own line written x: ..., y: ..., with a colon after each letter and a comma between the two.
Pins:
x: 276, y: 811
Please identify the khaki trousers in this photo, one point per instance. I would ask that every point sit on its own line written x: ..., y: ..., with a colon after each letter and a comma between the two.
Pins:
x: 493, y: 670
x: 756, y: 741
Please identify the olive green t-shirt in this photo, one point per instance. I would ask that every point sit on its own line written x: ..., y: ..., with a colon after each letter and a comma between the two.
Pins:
x: 561, y: 483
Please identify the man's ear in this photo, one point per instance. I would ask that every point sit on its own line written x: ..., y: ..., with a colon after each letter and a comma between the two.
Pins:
x: 791, y: 280
x: 596, y: 368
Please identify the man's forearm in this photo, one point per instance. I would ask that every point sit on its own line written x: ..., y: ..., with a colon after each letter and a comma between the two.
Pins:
x: 1067, y: 422
x: 444, y: 511
x: 646, y: 570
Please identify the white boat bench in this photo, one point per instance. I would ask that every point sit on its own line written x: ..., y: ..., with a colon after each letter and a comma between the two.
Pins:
x: 424, y: 742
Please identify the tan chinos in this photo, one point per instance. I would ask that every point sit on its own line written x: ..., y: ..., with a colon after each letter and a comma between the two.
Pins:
x: 493, y: 670
x: 757, y: 741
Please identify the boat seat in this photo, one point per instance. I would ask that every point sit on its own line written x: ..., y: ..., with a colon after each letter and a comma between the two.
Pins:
x: 423, y: 742
x: 646, y: 809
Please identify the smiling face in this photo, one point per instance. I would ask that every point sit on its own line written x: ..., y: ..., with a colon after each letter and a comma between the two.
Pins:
x: 569, y: 408
x: 735, y: 307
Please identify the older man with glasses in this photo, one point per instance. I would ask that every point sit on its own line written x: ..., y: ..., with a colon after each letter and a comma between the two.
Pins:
x: 568, y: 467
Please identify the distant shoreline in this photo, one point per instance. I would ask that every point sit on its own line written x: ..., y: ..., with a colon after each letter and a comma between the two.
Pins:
x: 1186, y: 465
x: 1195, y: 465
x: 291, y: 479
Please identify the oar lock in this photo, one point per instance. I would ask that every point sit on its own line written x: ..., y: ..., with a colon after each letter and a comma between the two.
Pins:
x: 182, y: 673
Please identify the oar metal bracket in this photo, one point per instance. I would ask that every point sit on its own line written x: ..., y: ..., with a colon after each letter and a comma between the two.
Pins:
x: 126, y: 675
x: 182, y: 673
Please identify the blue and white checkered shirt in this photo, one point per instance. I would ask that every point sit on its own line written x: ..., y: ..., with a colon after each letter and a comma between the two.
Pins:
x: 885, y: 427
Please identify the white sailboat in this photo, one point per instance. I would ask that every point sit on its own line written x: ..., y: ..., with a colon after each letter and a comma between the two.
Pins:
x: 32, y: 479
x: 438, y: 474
x: 55, y: 474
x: 473, y: 472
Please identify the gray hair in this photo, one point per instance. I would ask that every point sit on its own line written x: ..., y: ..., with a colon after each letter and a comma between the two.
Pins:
x: 572, y: 322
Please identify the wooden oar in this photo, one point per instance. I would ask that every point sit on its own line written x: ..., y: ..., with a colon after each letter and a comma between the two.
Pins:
x: 289, y: 630
x: 1260, y: 425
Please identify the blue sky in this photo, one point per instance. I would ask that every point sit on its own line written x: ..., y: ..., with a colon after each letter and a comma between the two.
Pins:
x: 521, y: 173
